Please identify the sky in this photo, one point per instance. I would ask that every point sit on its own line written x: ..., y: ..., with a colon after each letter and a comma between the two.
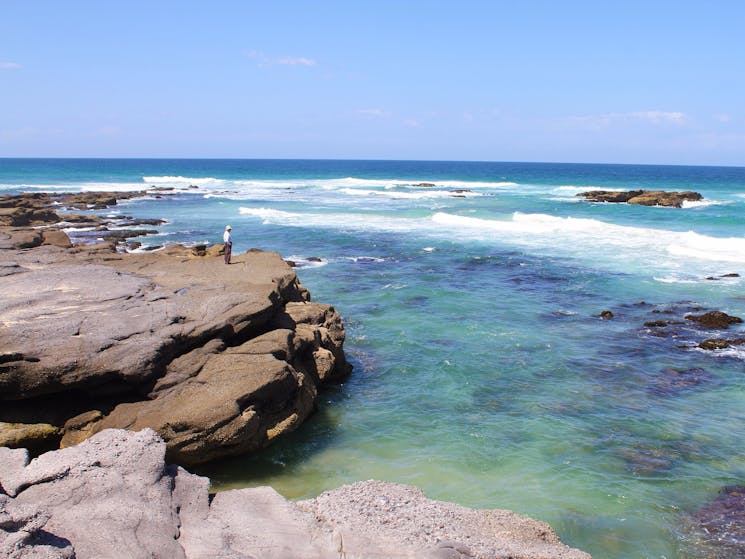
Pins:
x: 650, y: 81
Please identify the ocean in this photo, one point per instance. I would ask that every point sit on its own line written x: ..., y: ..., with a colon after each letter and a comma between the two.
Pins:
x: 472, y: 294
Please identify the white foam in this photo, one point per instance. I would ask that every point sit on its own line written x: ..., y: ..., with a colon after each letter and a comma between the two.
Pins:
x: 590, y: 236
x: 269, y: 215
x: 364, y: 259
x: 673, y: 279
x: 703, y: 203
x: 77, y: 187
x: 169, y: 180
x: 660, y: 253
x: 305, y: 261
x: 408, y: 195
x: 572, y: 189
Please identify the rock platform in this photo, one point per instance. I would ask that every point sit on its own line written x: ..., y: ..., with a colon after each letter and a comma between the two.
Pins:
x: 218, y: 359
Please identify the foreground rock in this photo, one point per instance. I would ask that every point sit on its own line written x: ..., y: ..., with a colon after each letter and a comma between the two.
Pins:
x: 113, y: 496
x: 218, y: 359
x: 642, y: 197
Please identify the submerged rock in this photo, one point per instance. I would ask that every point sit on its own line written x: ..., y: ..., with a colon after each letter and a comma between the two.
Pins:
x: 671, y: 381
x: 719, y: 527
x: 141, y: 507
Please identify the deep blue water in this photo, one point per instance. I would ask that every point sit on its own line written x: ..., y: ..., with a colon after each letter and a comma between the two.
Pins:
x: 483, y: 373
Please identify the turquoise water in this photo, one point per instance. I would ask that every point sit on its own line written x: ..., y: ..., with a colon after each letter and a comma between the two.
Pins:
x: 482, y: 372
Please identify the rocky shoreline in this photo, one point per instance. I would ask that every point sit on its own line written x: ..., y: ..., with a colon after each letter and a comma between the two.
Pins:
x: 131, y: 362
x: 219, y: 360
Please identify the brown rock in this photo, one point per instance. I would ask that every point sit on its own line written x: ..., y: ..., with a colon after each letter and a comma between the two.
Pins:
x: 56, y: 237
x: 720, y: 343
x: 714, y: 320
x: 29, y: 435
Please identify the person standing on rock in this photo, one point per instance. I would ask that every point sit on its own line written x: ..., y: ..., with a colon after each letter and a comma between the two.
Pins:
x: 228, y: 240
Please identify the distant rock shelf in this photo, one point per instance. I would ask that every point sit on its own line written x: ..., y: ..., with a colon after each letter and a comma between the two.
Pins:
x: 642, y: 197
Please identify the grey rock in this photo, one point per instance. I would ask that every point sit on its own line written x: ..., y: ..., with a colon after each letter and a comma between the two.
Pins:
x: 114, y: 496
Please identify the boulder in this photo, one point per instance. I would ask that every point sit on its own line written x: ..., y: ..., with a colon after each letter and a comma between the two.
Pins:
x: 113, y: 496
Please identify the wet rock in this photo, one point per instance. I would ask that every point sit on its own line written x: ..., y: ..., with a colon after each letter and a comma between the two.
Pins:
x: 199, y: 250
x: 714, y: 320
x: 424, y: 185
x: 720, y: 343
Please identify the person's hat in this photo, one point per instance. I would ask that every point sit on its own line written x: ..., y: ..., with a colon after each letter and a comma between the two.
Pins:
x: 228, y: 228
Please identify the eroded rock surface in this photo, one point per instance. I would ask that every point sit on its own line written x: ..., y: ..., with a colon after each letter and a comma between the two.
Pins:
x: 218, y: 359
x: 113, y: 496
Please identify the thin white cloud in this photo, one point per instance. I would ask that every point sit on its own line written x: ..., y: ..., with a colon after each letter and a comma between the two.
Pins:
x: 263, y: 60
x: 646, y: 117
x: 412, y: 123
x: 108, y: 130
x: 379, y: 113
x: 9, y: 66
x: 722, y: 117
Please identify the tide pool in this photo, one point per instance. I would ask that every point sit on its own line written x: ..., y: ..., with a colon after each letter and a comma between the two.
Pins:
x: 471, y: 293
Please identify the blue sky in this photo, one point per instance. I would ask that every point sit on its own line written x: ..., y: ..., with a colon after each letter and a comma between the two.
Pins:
x: 619, y: 82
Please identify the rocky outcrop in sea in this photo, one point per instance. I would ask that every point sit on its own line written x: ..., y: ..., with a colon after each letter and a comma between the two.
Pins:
x: 642, y: 197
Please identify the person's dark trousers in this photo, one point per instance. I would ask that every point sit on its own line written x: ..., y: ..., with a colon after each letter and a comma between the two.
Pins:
x: 227, y: 251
